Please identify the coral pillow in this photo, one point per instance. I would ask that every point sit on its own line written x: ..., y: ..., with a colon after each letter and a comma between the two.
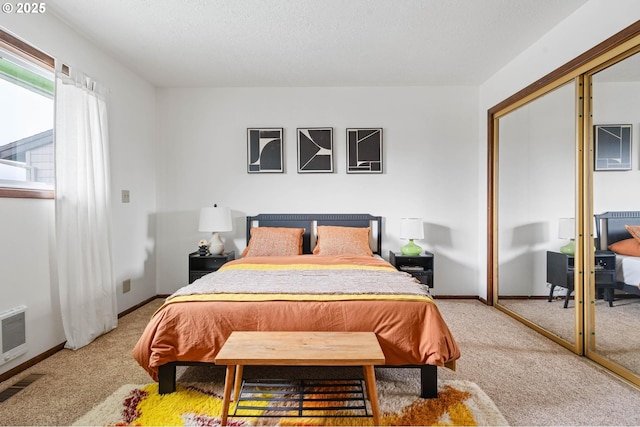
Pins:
x: 634, y: 230
x: 274, y: 241
x: 335, y: 240
x: 626, y: 247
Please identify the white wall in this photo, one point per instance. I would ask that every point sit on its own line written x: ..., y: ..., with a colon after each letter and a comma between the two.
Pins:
x: 27, y: 254
x: 593, y: 23
x: 430, y: 165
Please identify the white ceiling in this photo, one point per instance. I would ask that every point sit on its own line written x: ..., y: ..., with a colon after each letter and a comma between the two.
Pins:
x: 217, y: 43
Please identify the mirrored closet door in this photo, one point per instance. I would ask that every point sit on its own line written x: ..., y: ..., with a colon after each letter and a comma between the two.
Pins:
x: 615, y: 126
x: 536, y: 172
x: 564, y: 173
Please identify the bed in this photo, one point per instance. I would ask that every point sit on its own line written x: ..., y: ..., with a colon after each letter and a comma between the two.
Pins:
x: 335, y: 281
x: 613, y: 231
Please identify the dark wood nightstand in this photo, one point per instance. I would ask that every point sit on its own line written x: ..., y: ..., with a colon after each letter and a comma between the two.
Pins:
x: 419, y: 266
x: 201, y: 265
x: 560, y: 273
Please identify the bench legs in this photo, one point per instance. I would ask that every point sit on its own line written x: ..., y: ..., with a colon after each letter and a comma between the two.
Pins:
x: 228, y: 385
x: 233, y: 380
x: 237, y: 383
x: 372, y: 392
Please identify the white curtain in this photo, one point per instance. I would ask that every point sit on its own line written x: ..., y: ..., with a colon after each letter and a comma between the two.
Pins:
x: 83, y: 219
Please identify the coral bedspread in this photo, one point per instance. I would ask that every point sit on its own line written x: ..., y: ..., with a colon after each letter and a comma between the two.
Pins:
x: 298, y: 293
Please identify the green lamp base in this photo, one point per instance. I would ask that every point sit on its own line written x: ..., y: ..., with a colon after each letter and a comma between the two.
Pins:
x: 411, y: 249
x: 569, y: 248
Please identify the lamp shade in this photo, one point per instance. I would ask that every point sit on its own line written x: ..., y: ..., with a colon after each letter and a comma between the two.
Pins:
x: 566, y: 228
x: 411, y: 228
x: 215, y: 219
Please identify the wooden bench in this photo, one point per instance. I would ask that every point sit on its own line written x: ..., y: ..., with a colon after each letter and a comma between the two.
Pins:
x: 299, y: 349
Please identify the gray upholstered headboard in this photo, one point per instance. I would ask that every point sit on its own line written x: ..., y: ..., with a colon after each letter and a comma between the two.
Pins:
x: 610, y: 226
x: 310, y: 221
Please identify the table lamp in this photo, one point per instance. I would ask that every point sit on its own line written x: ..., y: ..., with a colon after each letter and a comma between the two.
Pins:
x: 412, y: 229
x: 567, y: 230
x: 215, y: 220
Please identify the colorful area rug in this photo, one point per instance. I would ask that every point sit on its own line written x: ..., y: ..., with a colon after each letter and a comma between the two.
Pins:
x: 459, y: 403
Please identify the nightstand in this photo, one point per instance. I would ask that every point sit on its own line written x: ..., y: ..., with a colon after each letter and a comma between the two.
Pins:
x: 201, y: 265
x: 560, y: 272
x: 419, y: 266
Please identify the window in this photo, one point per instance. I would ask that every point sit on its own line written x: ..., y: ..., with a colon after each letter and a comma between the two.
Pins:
x: 27, y: 165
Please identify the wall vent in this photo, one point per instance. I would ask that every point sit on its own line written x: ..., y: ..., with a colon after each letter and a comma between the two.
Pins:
x: 13, y: 337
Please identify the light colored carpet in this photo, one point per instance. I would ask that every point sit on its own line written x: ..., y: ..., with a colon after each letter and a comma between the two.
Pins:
x: 532, y: 380
x: 460, y: 403
x: 617, y: 337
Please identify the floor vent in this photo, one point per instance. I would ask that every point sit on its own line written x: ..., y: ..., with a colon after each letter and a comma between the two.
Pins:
x: 20, y: 385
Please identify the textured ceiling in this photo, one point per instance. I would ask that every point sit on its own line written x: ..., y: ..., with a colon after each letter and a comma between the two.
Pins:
x: 194, y: 43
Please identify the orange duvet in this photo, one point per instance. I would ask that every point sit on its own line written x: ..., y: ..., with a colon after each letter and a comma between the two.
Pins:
x: 300, y: 293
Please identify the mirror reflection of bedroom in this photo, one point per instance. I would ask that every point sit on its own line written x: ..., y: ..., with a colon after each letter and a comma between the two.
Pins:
x: 566, y: 171
x: 537, y: 189
x: 615, y: 97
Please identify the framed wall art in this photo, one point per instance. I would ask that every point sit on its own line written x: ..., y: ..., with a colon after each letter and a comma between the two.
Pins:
x: 315, y: 150
x: 265, y: 150
x: 364, y: 150
x: 612, y: 147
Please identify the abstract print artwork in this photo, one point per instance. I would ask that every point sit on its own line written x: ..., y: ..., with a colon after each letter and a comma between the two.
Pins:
x: 364, y: 150
x: 315, y: 150
x: 264, y: 150
x: 613, y: 147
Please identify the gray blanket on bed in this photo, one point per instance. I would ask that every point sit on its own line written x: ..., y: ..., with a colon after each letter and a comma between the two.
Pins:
x: 342, y: 281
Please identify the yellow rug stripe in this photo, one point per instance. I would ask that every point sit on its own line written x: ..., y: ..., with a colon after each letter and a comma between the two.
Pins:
x: 167, y: 409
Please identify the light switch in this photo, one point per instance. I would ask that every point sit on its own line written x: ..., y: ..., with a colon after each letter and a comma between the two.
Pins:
x: 125, y: 196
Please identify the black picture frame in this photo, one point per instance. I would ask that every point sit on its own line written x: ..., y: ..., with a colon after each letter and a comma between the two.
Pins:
x: 315, y: 150
x: 364, y: 150
x: 612, y: 147
x: 265, y: 150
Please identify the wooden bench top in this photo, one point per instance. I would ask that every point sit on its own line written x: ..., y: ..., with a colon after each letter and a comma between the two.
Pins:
x: 301, y: 349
